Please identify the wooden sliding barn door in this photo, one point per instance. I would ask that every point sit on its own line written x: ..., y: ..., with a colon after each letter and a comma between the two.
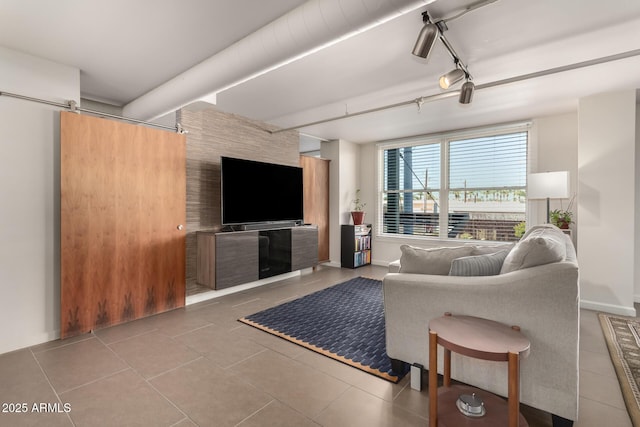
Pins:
x: 122, y: 208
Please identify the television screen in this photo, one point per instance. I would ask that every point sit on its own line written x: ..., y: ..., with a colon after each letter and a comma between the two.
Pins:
x: 254, y: 192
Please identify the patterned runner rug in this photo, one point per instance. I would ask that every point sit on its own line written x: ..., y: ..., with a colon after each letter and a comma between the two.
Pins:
x: 622, y: 335
x: 344, y: 322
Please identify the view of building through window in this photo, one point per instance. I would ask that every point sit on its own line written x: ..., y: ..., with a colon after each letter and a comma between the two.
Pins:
x: 485, y: 193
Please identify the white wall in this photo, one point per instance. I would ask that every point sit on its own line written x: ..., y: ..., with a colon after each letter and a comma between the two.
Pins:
x: 30, y: 194
x: 349, y: 180
x: 555, y: 140
x: 607, y: 186
x: 344, y: 171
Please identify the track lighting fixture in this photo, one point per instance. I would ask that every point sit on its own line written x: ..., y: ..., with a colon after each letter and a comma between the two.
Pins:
x: 466, y: 92
x: 451, y: 78
x: 429, y: 33
x: 426, y: 39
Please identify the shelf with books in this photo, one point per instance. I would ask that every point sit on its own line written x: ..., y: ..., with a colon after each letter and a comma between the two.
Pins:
x: 355, y: 245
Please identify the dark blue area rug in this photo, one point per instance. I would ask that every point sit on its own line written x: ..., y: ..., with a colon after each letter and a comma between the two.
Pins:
x: 344, y: 322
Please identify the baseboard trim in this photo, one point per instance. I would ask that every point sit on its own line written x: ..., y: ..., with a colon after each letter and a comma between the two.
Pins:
x: 335, y: 264
x: 205, y: 296
x: 608, y: 308
x: 32, y: 340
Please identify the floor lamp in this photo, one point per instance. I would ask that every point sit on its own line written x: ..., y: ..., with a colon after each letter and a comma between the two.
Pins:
x: 548, y: 185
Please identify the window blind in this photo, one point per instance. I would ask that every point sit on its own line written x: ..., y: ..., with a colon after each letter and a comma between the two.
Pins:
x: 411, y: 200
x: 487, y: 186
x: 471, y: 188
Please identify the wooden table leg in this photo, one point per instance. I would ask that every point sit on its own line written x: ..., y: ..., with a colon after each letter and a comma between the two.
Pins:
x: 433, y: 379
x: 446, y: 373
x: 514, y: 389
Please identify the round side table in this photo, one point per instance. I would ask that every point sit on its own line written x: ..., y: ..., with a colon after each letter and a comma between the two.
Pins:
x: 481, y: 339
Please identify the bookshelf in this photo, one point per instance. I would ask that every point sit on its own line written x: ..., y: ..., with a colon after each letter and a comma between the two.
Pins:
x: 355, y: 245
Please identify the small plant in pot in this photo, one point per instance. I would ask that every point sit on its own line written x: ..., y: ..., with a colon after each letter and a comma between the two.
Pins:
x: 357, y: 214
x: 560, y: 218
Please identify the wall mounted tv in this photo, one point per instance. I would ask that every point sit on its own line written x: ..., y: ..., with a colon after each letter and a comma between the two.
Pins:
x: 258, y: 192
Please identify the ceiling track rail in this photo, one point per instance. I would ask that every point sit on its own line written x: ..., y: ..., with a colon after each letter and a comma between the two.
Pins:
x: 72, y: 106
x: 430, y: 98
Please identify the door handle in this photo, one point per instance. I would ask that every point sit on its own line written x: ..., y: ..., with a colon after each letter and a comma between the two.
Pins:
x: 180, y: 227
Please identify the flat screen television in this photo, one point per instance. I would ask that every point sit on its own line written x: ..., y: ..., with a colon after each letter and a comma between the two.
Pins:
x: 258, y: 192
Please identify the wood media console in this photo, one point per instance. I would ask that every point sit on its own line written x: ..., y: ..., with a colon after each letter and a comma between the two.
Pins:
x: 227, y: 259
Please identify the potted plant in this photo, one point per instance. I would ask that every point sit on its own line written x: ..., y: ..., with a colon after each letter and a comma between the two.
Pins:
x: 561, y: 218
x: 357, y: 214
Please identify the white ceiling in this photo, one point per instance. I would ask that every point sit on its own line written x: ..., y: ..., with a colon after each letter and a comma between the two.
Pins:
x: 126, y: 48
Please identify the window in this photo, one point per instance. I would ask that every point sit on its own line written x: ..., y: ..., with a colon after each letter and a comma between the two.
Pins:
x: 470, y: 187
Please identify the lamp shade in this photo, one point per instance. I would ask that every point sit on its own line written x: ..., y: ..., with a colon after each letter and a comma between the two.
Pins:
x: 548, y: 185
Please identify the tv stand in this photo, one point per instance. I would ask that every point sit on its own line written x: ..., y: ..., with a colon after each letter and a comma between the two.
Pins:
x: 227, y: 259
x: 274, y: 252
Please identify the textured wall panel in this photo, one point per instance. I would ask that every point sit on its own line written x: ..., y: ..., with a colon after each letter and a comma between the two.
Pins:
x: 213, y: 134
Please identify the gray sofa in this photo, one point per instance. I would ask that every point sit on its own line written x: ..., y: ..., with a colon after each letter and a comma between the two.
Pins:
x: 541, y: 297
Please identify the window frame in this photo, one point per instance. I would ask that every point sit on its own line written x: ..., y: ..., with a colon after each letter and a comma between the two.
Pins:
x: 443, y: 139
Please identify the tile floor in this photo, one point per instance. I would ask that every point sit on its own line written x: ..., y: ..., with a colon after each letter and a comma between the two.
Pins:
x: 198, y: 366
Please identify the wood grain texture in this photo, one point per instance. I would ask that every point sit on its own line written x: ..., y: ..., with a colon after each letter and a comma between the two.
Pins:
x: 122, y: 198
x: 205, y: 264
x: 316, y: 199
x: 303, y: 242
x: 237, y: 258
x: 213, y: 134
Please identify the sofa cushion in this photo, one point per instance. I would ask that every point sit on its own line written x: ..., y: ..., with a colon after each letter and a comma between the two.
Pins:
x: 540, y: 245
x: 430, y: 261
x: 479, y: 265
x: 486, y: 249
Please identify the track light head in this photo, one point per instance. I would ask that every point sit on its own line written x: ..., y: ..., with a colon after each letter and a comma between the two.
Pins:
x: 451, y: 78
x: 426, y: 39
x: 466, y: 92
x: 429, y: 33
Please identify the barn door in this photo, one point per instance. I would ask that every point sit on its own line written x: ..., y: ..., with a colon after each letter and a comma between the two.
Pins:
x: 122, y: 208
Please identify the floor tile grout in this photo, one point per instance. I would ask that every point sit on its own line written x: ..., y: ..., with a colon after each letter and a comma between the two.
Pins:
x: 46, y: 377
x: 128, y: 368
x: 247, y: 351
x: 255, y: 412
x: 90, y: 335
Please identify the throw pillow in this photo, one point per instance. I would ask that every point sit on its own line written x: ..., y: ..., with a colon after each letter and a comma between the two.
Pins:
x: 486, y: 249
x: 430, y: 261
x: 478, y: 265
x: 541, y: 245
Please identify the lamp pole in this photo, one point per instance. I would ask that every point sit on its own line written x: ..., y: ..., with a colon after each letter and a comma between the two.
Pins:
x: 548, y: 222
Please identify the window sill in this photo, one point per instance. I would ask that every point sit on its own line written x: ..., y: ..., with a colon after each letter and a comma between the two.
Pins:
x: 433, y: 241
